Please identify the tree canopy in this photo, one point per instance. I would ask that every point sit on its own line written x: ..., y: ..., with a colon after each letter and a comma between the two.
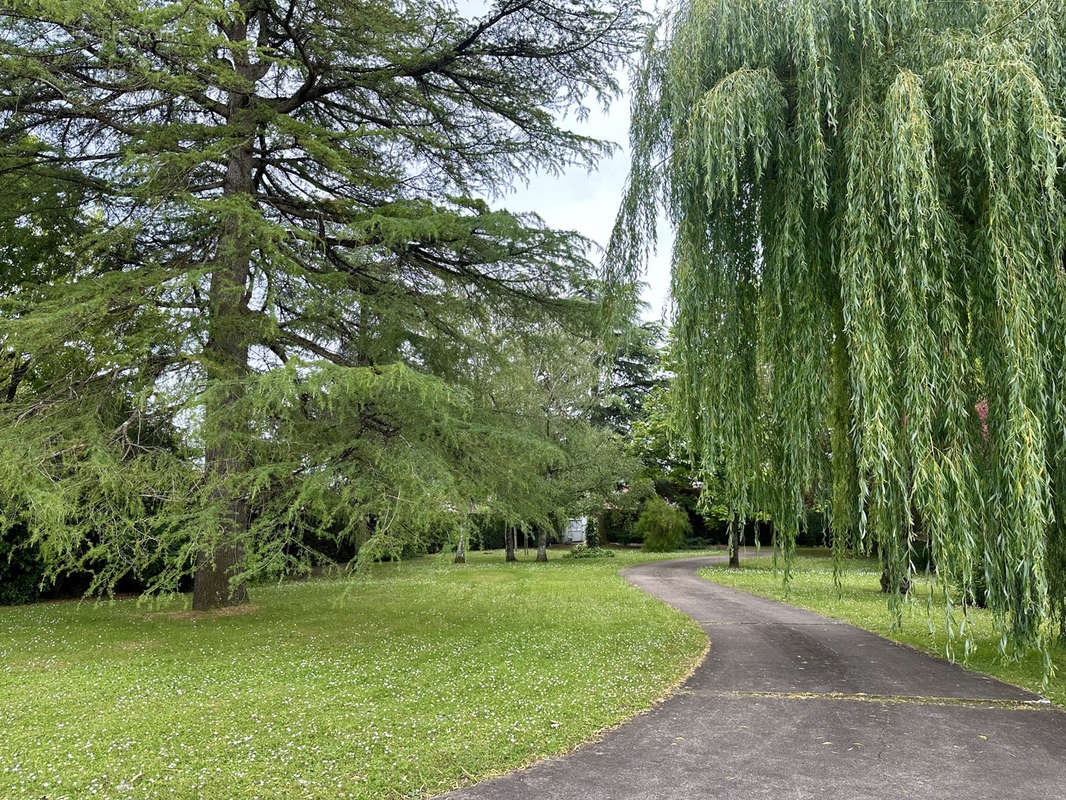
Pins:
x: 265, y: 313
x: 869, y: 273
x: 632, y: 372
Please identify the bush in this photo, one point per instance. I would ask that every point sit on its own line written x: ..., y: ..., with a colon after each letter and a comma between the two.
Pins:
x: 21, y: 569
x: 592, y: 533
x: 663, y: 526
x: 584, y: 551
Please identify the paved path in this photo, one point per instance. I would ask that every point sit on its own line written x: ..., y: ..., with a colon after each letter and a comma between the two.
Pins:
x: 790, y: 705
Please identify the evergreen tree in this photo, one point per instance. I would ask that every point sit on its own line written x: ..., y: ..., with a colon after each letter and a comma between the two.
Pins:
x: 545, y: 383
x: 869, y: 273
x: 283, y: 260
x: 631, y: 373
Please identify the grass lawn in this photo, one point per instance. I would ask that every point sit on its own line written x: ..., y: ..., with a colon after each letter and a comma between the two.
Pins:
x: 862, y: 604
x: 404, y: 682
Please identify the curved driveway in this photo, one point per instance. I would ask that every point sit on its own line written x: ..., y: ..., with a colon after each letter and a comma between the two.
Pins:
x: 791, y: 705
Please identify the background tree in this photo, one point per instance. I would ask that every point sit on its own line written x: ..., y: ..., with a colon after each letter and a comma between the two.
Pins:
x: 280, y: 237
x: 663, y: 526
x: 631, y: 372
x: 545, y: 381
x: 868, y: 200
x: 669, y: 462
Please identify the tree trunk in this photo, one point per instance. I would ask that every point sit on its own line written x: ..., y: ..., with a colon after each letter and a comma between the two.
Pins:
x: 18, y: 372
x: 226, y: 364
x: 460, y: 550
x: 601, y: 530
x: 211, y: 585
x: 734, y: 546
x: 542, y: 544
x: 903, y: 584
x: 509, y: 543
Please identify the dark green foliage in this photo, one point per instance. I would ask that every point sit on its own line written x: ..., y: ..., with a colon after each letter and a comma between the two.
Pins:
x: 21, y: 569
x: 662, y: 526
x: 659, y: 442
x: 1057, y: 573
x: 486, y: 533
x: 616, y: 526
x: 592, y: 533
x: 632, y: 373
x: 815, y: 531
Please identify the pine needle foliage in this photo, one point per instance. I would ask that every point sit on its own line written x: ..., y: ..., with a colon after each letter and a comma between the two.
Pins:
x: 869, y: 274
x: 282, y: 268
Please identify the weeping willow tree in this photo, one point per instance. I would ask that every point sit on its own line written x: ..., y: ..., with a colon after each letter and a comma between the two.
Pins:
x: 869, y: 275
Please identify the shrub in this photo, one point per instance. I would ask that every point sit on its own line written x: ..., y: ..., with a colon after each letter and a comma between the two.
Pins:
x: 592, y: 533
x: 21, y: 568
x: 584, y: 551
x: 663, y: 526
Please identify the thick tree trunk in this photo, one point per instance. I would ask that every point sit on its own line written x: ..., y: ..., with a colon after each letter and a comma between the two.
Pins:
x: 843, y: 514
x: 509, y: 543
x: 601, y: 531
x: 542, y: 545
x: 226, y: 363
x: 211, y: 584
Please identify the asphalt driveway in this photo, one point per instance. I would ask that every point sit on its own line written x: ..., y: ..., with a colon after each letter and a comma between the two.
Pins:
x: 791, y: 705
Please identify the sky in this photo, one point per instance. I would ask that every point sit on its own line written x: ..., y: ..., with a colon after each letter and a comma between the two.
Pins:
x: 588, y: 201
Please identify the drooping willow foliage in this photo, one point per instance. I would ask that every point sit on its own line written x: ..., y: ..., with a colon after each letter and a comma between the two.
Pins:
x: 868, y: 199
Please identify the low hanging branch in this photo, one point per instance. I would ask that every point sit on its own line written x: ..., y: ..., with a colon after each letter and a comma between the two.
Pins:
x: 868, y: 271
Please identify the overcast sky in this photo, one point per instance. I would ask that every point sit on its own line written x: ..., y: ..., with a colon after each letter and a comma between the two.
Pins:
x: 588, y: 201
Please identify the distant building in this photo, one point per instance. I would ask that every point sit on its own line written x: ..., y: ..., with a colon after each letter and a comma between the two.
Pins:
x: 574, y: 533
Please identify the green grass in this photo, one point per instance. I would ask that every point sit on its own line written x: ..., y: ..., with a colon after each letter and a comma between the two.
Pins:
x: 405, y: 682
x: 922, y: 624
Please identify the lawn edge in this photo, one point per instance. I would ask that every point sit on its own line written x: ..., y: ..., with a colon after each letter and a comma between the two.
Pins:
x: 600, y: 733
